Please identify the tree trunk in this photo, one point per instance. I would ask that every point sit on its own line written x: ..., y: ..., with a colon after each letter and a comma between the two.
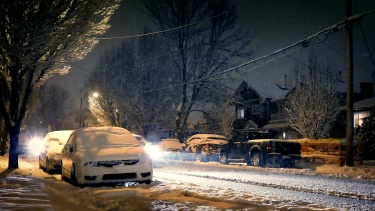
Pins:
x: 4, y: 138
x: 14, y: 133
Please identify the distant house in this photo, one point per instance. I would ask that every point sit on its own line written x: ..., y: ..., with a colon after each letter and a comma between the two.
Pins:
x: 363, y: 103
x: 254, y: 110
x: 257, y: 110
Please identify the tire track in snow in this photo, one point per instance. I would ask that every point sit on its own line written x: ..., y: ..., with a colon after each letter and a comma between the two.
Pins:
x: 284, y: 187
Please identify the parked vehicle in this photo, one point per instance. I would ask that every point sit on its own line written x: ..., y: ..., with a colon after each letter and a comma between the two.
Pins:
x: 202, y: 147
x: 50, y: 154
x: 105, y: 155
x: 170, y: 147
x: 259, y: 152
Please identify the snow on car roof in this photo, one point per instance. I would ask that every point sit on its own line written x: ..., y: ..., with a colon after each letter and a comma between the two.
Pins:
x: 61, y: 135
x: 104, y: 136
x: 205, y: 136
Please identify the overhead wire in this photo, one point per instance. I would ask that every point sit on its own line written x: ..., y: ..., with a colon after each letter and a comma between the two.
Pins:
x: 293, y: 47
x: 178, y: 27
x: 364, y: 38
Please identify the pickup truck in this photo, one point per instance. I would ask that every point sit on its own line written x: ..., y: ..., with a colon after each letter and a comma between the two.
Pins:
x: 202, y: 147
x: 261, y: 152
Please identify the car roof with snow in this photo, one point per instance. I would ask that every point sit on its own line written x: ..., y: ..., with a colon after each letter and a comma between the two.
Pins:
x: 104, y: 136
x: 208, y: 136
x: 61, y: 135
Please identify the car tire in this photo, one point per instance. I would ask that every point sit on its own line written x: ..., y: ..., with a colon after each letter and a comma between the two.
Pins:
x: 48, y: 169
x: 63, y: 178
x: 73, y: 178
x: 256, y: 159
x: 224, y: 159
x: 40, y: 165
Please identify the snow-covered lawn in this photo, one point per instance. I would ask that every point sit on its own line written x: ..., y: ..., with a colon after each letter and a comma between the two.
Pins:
x: 29, y: 188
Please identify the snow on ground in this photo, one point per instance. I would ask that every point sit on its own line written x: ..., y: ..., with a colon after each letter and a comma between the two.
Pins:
x: 29, y: 188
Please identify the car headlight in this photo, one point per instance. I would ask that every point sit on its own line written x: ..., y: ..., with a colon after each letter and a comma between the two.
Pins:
x: 91, y: 163
x: 36, y: 146
x: 153, y: 151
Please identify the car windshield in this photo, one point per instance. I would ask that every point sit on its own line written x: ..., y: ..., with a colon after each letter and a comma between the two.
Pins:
x: 54, y: 142
x: 98, y: 139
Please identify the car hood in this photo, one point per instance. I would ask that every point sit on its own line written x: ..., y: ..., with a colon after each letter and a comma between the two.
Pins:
x: 118, y: 153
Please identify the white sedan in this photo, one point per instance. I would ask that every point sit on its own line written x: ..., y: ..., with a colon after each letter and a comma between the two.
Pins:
x: 105, y: 155
x: 50, y: 153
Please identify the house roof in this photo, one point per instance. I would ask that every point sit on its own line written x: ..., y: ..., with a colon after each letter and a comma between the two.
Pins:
x: 362, y: 105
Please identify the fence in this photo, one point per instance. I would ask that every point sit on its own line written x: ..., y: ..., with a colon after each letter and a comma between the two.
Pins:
x: 328, y: 150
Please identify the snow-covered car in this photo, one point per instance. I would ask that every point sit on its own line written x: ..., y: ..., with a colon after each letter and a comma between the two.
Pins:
x: 203, y: 147
x: 105, y: 154
x: 170, y: 147
x: 50, y: 154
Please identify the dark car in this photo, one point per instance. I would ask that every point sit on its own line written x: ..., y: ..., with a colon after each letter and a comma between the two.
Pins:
x: 260, y: 152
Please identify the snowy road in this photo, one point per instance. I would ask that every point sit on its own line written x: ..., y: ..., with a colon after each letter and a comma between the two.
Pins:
x: 331, y: 192
x: 186, y: 186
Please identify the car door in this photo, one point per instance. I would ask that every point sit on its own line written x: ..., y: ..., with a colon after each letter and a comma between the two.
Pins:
x: 66, y: 155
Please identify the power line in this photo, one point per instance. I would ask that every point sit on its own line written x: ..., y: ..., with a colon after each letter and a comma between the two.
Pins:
x: 318, y: 37
x: 341, y: 54
x: 364, y: 38
x: 179, y: 27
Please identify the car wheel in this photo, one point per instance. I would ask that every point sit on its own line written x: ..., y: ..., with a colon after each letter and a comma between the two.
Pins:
x: 256, y: 159
x: 48, y: 169
x: 40, y: 164
x: 224, y: 158
x: 73, y: 178
x: 63, y: 178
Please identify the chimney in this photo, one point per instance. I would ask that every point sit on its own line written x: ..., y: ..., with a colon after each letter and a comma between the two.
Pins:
x: 367, y: 90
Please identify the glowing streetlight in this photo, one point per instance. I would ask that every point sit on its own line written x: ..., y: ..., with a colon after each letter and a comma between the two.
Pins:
x: 95, y: 94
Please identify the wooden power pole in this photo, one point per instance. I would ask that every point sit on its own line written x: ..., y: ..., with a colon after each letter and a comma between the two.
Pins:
x: 349, y: 87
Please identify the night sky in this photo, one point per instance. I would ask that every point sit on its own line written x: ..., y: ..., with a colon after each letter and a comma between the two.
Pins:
x: 276, y: 24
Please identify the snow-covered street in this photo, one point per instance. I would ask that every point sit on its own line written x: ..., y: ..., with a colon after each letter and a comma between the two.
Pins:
x: 187, y: 186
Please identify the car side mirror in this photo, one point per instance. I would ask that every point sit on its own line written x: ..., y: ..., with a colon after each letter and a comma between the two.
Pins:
x: 68, y: 147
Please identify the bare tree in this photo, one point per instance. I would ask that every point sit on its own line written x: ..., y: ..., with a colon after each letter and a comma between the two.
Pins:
x: 105, y: 108
x: 38, y: 38
x: 53, y: 106
x: 121, y: 74
x: 200, y: 49
x: 313, y: 104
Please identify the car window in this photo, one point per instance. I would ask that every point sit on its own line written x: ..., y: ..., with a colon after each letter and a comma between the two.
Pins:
x: 53, y: 142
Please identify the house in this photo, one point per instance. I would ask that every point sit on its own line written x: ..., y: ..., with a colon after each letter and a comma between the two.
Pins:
x: 254, y: 110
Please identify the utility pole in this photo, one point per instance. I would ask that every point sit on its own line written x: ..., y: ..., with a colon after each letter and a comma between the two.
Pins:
x: 349, y: 87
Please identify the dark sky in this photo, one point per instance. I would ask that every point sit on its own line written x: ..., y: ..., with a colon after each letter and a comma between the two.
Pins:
x: 276, y: 24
